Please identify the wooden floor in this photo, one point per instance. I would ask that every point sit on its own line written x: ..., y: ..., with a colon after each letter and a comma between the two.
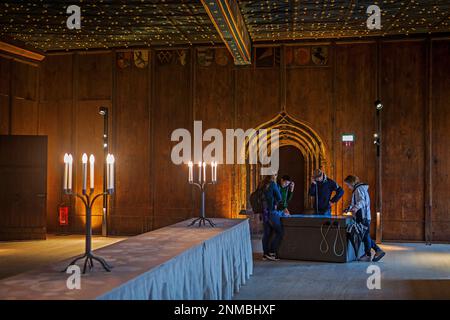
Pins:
x: 408, y: 271
x: 20, y: 256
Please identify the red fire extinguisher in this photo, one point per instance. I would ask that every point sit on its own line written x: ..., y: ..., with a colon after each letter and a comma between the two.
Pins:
x: 63, y: 215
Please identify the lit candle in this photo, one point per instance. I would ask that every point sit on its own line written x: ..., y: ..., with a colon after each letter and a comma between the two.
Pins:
x: 215, y: 172
x: 200, y: 172
x: 204, y: 171
x: 191, y: 171
x: 110, y: 171
x: 91, y: 171
x: 66, y: 170
x: 69, y: 182
x: 84, y: 160
x: 378, y: 220
x: 378, y: 235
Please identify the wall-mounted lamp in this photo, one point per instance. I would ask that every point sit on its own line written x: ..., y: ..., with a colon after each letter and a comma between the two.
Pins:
x: 378, y: 104
x: 376, y: 139
x: 103, y: 111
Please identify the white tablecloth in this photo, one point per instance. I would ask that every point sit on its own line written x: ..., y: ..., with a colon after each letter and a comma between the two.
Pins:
x: 215, y: 269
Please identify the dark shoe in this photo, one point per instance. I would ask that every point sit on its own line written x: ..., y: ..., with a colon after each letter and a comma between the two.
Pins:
x: 378, y: 256
x: 365, y: 258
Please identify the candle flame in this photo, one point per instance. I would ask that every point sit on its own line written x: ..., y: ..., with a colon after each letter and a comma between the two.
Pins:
x: 66, y: 158
x: 69, y: 158
x: 91, y: 158
x: 190, y: 164
x: 110, y: 159
x: 84, y: 158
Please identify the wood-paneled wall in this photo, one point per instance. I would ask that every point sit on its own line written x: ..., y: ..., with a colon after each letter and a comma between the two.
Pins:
x: 404, y: 87
x: 147, y: 104
x: 440, y: 132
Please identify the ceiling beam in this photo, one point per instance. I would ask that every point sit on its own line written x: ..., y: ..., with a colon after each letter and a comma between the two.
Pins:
x: 229, y: 23
x: 18, y: 51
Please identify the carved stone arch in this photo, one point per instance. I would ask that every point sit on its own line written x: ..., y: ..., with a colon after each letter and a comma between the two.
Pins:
x: 292, y: 132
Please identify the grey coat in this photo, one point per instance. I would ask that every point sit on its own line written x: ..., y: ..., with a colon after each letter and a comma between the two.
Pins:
x: 361, y: 200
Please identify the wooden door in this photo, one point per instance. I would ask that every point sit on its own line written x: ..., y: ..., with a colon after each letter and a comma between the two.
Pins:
x: 23, y: 187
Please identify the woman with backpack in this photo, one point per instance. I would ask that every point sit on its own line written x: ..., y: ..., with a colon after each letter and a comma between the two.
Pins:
x: 360, y: 209
x: 270, y: 195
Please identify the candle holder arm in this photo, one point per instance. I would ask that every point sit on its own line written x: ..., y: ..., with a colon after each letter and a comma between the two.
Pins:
x: 97, y: 196
x: 83, y: 198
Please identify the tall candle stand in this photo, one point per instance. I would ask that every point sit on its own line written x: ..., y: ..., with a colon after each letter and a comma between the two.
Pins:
x: 88, y: 201
x: 202, y: 218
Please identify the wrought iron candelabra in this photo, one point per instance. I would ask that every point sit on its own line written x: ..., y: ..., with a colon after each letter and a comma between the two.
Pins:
x: 202, y: 218
x: 88, y: 201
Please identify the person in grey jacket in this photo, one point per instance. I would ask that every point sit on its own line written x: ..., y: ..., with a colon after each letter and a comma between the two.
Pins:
x: 360, y: 209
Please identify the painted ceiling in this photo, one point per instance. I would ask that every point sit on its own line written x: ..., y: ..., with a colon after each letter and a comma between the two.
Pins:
x: 112, y: 23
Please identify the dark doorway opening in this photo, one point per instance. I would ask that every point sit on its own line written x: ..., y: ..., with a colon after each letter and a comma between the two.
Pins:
x: 292, y: 164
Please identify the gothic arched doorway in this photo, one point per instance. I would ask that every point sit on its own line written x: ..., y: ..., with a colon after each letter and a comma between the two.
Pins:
x: 295, y: 134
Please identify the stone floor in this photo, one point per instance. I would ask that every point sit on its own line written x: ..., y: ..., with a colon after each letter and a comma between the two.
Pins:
x: 408, y: 271
x: 20, y: 256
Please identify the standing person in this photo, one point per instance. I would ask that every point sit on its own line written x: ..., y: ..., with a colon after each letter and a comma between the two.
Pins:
x: 287, y: 191
x: 271, y: 217
x: 322, y: 189
x: 360, y: 209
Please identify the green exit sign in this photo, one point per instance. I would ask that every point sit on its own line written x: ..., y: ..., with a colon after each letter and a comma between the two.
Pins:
x: 348, y: 137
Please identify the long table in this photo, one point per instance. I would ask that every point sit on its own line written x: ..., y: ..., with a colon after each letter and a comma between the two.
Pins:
x: 317, y: 238
x: 174, y: 262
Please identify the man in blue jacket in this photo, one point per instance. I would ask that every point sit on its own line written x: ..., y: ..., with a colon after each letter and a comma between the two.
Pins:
x: 322, y: 189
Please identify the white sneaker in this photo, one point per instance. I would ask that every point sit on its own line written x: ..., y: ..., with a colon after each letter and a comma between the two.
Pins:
x: 274, y: 256
x: 269, y: 257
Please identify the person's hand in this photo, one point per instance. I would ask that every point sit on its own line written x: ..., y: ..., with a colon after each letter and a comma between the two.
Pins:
x: 292, y: 185
x: 313, y: 181
x: 353, y: 210
x: 286, y: 211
